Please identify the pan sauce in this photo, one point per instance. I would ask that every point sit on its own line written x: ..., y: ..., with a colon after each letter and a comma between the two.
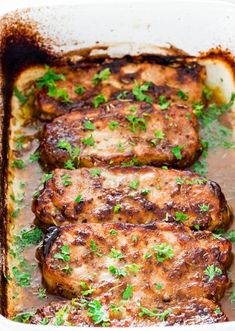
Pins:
x: 221, y: 168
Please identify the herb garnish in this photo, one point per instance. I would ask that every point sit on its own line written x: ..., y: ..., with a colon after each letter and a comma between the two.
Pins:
x: 113, y: 125
x: 95, y: 172
x: 118, y: 272
x: 18, y: 163
x: 211, y: 271
x: 127, y: 293
x: 88, y: 125
x: 98, y: 100
x: 102, y: 75
x: 139, y: 92
x: 179, y: 216
x: 79, y: 89
x: 19, y: 95
x: 163, y: 102
x: 163, y: 252
x: 177, y: 152
x: 64, y: 254
x: 88, y: 141
x: 98, y: 313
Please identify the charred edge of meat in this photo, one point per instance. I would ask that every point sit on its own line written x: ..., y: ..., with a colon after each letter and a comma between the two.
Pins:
x: 50, y: 237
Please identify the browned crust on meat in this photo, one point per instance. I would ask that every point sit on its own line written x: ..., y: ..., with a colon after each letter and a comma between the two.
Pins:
x: 191, y: 312
x: 170, y: 191
x: 193, y: 253
x: 178, y: 125
x: 168, y: 75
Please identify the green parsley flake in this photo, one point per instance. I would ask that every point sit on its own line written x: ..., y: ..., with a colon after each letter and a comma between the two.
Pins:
x: 102, y: 75
x: 64, y: 254
x: 177, y: 152
x: 204, y: 208
x: 98, y: 100
x: 163, y: 252
x: 117, y: 208
x: 183, y: 95
x: 139, y: 92
x: 88, y: 141
x: 95, y: 172
x: 134, y: 184
x: 19, y: 95
x: 113, y: 125
x: 136, y: 123
x: 118, y: 272
x: 18, y: 163
x: 88, y: 125
x: 115, y: 254
x: 211, y: 271
x: 163, y: 102
x: 127, y: 293
x: 179, y: 216
x: 98, y: 313
x: 78, y: 199
x: 79, y: 89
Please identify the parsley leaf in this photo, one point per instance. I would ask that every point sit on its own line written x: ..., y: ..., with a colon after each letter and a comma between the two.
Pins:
x: 177, y: 152
x: 89, y: 125
x: 102, y: 75
x: 163, y: 252
x: 163, y: 102
x: 19, y: 95
x: 117, y: 272
x: 95, y: 172
x: 134, y: 184
x: 88, y: 141
x: 78, y: 199
x: 211, y: 271
x: 79, y: 89
x: 127, y: 293
x: 136, y: 123
x: 180, y: 216
x: 97, y: 312
x: 117, y: 208
x: 64, y: 254
x: 139, y: 92
x: 98, y: 100
x: 204, y: 208
x: 113, y: 125
x: 115, y: 254
x: 23, y: 279
x: 182, y: 95
x: 18, y: 163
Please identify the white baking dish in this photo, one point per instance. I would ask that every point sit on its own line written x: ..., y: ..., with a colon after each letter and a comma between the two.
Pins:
x: 193, y: 26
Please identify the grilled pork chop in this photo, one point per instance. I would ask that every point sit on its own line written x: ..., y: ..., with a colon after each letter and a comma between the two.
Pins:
x: 131, y: 195
x: 120, y: 132
x: 178, y: 79
x: 160, y: 262
x: 191, y: 312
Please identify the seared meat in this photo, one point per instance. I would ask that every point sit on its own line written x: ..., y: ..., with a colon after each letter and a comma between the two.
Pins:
x: 118, y: 132
x: 83, y: 82
x: 191, y: 312
x: 131, y: 195
x: 132, y: 260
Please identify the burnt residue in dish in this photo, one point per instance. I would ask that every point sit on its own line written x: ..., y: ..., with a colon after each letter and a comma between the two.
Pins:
x: 20, y: 46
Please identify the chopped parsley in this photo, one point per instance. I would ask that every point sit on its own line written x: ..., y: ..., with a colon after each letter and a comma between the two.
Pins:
x: 20, y: 142
x: 182, y: 95
x: 136, y: 123
x: 41, y: 293
x: 94, y: 248
x: 153, y: 313
x: 179, y: 216
x: 147, y: 255
x: 177, y: 152
x: 19, y: 95
x: 127, y: 293
x: 23, y: 279
x: 23, y: 318
x: 118, y: 272
x: 34, y: 157
x: 27, y: 238
x: 78, y: 199
x: 139, y: 92
x: 98, y: 100
x: 86, y: 289
x: 64, y: 254
x: 66, y: 180
x: 88, y: 141
x: 163, y: 102
x: 159, y: 286
x: 204, y: 208
x: 211, y: 271
x: 102, y: 75
x: 88, y: 125
x: 201, y: 167
x: 113, y: 232
x: 134, y: 268
x: 95, y: 172
x: 232, y: 297
x: 217, y: 310
x: 18, y: 163
x: 113, y: 125
x: 145, y: 191
x: 122, y: 95
x: 79, y: 89
x: 207, y: 93
x: 163, y: 252
x: 97, y: 312
x: 73, y: 152
x: 115, y: 254
x: 117, y: 208
x: 134, y: 184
